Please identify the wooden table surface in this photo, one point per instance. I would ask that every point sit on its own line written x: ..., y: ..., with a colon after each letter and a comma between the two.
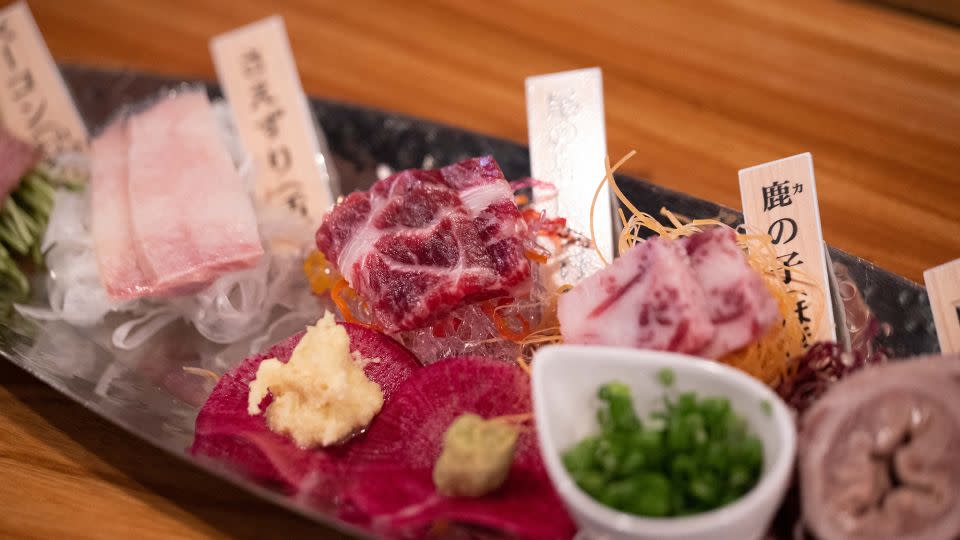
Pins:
x: 700, y: 89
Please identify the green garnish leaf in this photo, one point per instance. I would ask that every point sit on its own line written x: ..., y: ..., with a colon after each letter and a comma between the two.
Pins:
x: 24, y: 215
x: 666, y: 376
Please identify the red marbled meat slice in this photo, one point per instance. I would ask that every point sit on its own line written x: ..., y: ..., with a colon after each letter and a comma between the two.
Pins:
x: 191, y: 213
x: 226, y: 432
x: 647, y: 298
x: 422, y: 242
x: 16, y: 158
x: 738, y: 303
x: 389, y: 471
x: 112, y: 229
x: 696, y: 296
x: 878, y: 454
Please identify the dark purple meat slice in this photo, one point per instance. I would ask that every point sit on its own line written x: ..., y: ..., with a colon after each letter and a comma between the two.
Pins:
x: 879, y: 454
x: 422, y: 242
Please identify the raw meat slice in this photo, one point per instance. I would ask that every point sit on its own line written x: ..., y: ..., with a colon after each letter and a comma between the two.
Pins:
x: 738, y: 303
x: 696, y: 296
x: 16, y: 158
x: 390, y: 485
x: 877, y: 453
x: 112, y: 230
x: 226, y: 432
x: 422, y: 242
x: 190, y: 211
x: 647, y: 298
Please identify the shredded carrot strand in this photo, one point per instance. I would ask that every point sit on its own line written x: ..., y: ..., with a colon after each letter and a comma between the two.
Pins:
x: 523, y: 322
x: 523, y: 365
x: 319, y: 272
x: 336, y: 294
x: 202, y: 372
x: 536, y: 256
x: 518, y: 418
x: 501, y: 323
x: 608, y: 179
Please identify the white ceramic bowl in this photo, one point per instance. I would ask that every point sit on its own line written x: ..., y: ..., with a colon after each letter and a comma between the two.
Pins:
x: 565, y: 382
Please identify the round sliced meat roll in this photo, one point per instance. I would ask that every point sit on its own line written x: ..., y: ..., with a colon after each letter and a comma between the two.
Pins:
x: 879, y: 454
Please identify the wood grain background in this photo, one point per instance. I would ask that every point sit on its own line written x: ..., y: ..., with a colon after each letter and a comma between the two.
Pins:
x: 700, y: 89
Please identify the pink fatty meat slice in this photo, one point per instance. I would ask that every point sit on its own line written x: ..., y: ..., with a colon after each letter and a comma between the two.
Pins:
x: 193, y: 217
x: 738, y: 303
x: 173, y: 214
x: 697, y: 296
x: 117, y: 261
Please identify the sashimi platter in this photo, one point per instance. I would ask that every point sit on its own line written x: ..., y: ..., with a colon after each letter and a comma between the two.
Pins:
x: 407, y: 330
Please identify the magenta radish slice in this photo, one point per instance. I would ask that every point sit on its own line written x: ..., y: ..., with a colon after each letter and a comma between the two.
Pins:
x: 224, y: 430
x: 389, y: 484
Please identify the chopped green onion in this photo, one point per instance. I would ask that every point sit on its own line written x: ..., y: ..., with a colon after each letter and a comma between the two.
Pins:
x: 696, y: 455
x: 766, y: 407
x: 666, y: 377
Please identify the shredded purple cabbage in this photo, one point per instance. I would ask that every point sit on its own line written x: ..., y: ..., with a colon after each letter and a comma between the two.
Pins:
x: 824, y: 364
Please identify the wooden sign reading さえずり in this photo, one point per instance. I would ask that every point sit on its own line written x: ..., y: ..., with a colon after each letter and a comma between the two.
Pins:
x: 256, y: 68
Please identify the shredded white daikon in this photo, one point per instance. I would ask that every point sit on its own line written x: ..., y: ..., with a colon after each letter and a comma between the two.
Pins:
x: 235, y: 306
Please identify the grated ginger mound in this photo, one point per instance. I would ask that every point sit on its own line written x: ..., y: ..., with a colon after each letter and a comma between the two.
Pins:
x: 321, y: 395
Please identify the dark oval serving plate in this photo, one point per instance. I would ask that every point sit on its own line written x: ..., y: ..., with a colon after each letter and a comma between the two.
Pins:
x: 147, y: 395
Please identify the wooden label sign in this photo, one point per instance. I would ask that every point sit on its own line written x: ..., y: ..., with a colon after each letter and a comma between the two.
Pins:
x: 943, y: 288
x: 259, y: 77
x: 35, y: 103
x: 568, y: 145
x: 780, y: 199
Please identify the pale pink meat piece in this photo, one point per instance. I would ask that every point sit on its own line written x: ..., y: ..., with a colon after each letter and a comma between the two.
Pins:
x: 647, y: 298
x: 421, y: 243
x: 16, y: 158
x: 112, y: 230
x: 695, y: 296
x: 738, y: 303
x: 190, y: 211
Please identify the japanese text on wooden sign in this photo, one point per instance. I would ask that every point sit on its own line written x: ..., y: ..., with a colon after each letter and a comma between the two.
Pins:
x: 35, y: 103
x: 780, y: 199
x: 568, y: 145
x: 943, y: 288
x: 256, y: 68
